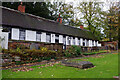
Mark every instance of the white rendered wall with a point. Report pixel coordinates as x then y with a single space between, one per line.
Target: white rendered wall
52 38
60 38
76 41
15 34
30 35
81 42
43 37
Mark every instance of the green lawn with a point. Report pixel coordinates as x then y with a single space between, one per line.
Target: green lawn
106 67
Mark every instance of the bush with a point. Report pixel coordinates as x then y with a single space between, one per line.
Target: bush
96 52
73 51
18 45
27 54
5 51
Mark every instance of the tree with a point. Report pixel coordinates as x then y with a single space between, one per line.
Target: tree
66 11
92 16
112 21
39 8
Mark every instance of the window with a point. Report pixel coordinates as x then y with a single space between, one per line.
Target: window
64 40
96 43
38 36
48 37
56 38
79 41
93 43
10 31
83 42
86 42
68 40
73 41
22 34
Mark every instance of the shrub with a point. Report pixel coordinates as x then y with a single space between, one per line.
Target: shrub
73 51
5 51
16 45
33 55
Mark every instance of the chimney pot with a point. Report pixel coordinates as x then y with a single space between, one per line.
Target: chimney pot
21 8
59 20
81 27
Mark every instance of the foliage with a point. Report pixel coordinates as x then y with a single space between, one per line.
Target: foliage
49 10
66 11
91 53
18 45
39 8
93 17
33 54
112 23
73 51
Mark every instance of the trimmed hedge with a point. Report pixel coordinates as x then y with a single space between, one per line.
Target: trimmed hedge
91 53
27 54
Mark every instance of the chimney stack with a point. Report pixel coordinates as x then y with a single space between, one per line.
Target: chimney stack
59 18
21 8
81 27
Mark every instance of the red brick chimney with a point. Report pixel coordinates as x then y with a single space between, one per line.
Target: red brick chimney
21 8
59 19
81 27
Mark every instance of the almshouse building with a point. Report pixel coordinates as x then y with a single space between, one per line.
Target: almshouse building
28 27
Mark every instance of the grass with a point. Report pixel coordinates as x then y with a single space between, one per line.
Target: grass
106 67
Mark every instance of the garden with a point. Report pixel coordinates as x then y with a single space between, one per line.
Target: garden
106 66
44 63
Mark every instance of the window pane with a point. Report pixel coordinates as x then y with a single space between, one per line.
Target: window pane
38 37
64 40
48 38
22 34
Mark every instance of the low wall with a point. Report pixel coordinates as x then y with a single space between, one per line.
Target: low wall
13 44
87 49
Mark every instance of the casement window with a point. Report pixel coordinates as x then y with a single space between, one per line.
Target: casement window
64 40
96 43
79 41
73 40
10 31
68 40
48 37
56 38
22 34
83 42
93 43
38 36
